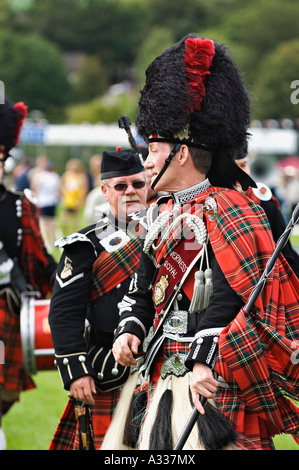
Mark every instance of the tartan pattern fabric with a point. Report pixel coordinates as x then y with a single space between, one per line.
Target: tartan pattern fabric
12 375
113 268
67 434
33 259
258 351
252 431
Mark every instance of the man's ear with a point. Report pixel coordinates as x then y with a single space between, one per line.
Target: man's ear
104 191
183 154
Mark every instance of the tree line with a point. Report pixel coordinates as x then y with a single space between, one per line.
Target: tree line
63 57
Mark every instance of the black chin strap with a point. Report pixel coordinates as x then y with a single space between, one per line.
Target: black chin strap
175 149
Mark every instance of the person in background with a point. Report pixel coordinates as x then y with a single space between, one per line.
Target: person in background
94 174
289 188
25 264
96 268
95 207
40 165
74 189
21 174
46 186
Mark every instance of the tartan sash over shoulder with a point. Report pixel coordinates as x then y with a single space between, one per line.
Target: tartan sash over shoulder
113 268
259 350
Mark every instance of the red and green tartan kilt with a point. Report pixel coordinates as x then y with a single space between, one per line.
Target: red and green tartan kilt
253 432
12 374
67 434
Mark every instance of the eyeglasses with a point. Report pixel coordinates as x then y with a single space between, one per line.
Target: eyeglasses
123 186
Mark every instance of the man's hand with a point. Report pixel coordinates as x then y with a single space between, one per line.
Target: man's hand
82 389
202 383
124 348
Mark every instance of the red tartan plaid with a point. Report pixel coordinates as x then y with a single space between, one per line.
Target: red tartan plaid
113 268
257 351
253 432
33 259
67 435
12 374
258 355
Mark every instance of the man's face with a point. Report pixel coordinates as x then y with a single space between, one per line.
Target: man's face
158 152
243 164
123 197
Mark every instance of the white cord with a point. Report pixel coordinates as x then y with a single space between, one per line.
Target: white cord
194 222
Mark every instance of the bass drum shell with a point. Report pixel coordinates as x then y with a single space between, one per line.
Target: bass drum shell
36 339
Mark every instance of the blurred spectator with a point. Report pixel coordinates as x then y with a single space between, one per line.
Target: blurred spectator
94 175
40 165
21 174
74 189
46 185
96 206
290 187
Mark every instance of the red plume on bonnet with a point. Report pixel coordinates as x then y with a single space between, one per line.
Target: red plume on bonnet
198 58
22 110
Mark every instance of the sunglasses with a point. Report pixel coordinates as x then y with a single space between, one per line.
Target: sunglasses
123 186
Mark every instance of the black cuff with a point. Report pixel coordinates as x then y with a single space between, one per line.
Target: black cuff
204 348
72 367
131 325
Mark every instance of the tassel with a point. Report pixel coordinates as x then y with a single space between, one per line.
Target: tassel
215 430
208 288
198 293
203 286
134 419
161 438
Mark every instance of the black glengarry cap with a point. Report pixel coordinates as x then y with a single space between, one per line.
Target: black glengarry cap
120 163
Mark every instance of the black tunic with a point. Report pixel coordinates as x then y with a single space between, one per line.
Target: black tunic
70 306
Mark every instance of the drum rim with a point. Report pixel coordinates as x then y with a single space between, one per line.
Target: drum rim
27 329
29 303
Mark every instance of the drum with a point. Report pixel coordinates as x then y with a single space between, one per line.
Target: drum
36 340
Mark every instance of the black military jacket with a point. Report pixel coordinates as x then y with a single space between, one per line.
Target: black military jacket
70 308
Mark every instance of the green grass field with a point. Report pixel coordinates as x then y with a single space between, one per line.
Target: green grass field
31 422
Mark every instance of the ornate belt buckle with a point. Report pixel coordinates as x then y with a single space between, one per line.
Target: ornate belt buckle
176 322
174 365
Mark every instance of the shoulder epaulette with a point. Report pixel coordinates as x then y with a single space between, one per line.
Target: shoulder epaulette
263 192
73 238
30 195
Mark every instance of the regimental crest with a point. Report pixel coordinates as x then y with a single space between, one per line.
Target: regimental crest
67 269
160 289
